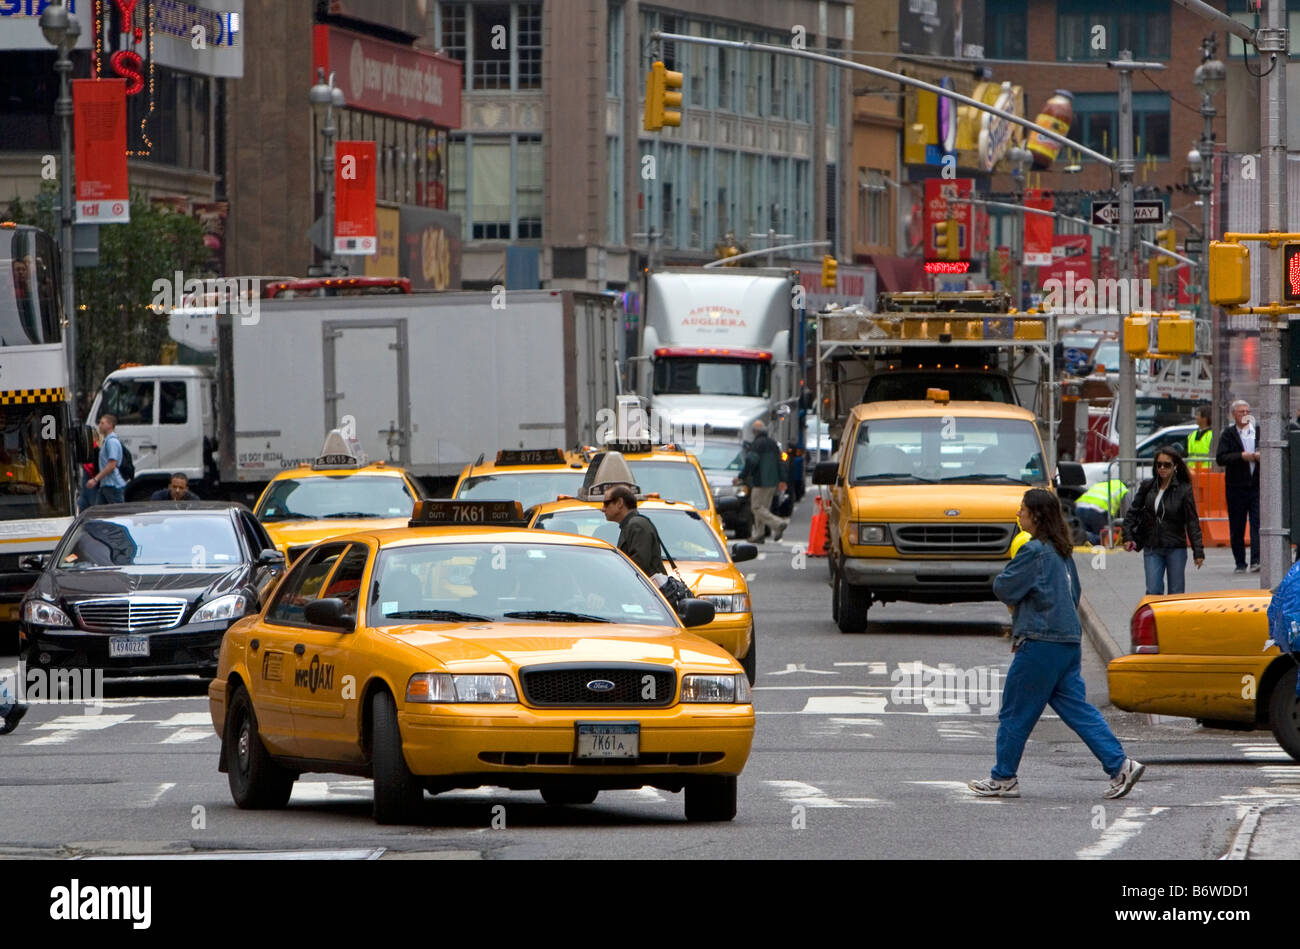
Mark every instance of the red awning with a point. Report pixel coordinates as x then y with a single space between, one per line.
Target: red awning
894 274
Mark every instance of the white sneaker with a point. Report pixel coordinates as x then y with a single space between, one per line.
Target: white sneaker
993 787
1123 782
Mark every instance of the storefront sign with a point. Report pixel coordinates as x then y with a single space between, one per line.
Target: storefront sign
378 76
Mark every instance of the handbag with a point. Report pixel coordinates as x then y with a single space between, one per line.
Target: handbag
673 588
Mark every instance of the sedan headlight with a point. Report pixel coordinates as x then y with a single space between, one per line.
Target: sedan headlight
729 602
727 689
874 534
439 687
42 613
230 606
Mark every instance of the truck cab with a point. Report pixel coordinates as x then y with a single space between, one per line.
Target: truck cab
165 419
923 501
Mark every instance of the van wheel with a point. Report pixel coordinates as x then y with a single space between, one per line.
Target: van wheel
749 661
711 798
256 782
1284 714
398 794
852 603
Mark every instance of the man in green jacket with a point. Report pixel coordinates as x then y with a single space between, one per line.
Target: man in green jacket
637 536
1098 505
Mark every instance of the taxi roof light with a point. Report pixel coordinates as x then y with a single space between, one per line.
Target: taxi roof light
458 512
937 395
339 452
530 456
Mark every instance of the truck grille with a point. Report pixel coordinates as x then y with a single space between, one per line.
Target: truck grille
566 686
953 538
130 614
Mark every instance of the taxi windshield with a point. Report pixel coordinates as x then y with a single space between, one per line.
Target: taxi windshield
526 487
671 480
153 541
542 582
341 496
683 532
947 449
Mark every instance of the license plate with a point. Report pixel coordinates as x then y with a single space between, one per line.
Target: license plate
609 741
121 647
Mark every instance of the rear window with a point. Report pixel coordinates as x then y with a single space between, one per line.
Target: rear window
966 387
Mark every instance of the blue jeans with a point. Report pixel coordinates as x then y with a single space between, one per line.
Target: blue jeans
1092 520
7 700
1158 560
1046 673
109 495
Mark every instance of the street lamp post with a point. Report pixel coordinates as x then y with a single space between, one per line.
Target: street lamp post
1209 80
1020 159
325 97
61 31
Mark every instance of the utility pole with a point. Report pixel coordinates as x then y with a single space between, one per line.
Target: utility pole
771 236
1209 79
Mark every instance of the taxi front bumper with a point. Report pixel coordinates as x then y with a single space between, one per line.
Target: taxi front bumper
516 746
939 581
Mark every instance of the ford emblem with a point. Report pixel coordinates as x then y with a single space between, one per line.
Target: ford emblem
600 685
952 512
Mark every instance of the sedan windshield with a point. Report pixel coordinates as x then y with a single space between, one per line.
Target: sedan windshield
340 496
683 532
526 487
672 481
152 540
937 449
528 582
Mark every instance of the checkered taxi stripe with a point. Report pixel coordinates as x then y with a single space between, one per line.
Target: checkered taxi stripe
30 396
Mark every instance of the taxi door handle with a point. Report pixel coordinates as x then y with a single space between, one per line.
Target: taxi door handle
299 649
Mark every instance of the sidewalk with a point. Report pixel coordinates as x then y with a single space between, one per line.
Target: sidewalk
1112 587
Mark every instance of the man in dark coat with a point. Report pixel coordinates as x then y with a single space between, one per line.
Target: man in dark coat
764 472
637 536
1239 456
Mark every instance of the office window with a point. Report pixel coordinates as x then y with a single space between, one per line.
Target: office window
724 162
669 24
778 202
528 187
614 191
528 33
1141 26
834 77
1006 25
669 175
493 40
802 201
873 207
453 30
1096 122
614 52
728 75
751 201
697 204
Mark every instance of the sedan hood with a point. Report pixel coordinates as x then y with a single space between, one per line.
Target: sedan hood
192 584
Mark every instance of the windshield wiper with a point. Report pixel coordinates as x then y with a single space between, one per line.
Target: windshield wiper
986 477
559 616
449 615
287 516
893 474
340 514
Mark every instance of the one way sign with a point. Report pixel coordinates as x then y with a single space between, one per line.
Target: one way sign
1144 212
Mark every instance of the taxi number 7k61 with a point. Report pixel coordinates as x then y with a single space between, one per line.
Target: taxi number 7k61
609 741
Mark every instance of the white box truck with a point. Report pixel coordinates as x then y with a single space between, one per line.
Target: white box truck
428 381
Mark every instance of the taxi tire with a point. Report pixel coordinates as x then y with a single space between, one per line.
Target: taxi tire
561 796
835 595
266 786
851 606
711 798
749 661
1284 714
399 794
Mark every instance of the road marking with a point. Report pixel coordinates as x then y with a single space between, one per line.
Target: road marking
373 853
1262 751
957 731
1282 774
749 577
1121 830
183 719
67 727
873 668
183 736
800 667
797 792
844 704
156 796
957 790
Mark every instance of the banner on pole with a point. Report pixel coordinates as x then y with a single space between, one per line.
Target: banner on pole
355 228
99 136
1038 230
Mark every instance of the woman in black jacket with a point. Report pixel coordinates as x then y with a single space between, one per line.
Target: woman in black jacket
1162 520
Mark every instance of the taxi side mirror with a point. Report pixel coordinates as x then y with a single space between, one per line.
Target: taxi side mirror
330 612
826 472
695 612
727 505
742 552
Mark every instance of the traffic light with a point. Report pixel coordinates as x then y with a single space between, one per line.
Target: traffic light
1137 334
947 240
829 266
1167 239
1230 273
1291 272
663 98
1175 335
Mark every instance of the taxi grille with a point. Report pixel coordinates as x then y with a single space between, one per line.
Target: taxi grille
952 538
130 614
567 686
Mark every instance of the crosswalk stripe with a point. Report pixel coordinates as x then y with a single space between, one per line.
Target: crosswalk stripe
183 736
1121 830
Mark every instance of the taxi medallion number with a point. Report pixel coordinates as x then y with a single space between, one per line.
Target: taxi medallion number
609 741
120 647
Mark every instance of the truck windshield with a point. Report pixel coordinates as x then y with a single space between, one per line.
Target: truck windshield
937 449
35 469
29 302
684 533
690 375
672 481
344 496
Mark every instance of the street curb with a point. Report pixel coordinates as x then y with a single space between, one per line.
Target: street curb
1097 632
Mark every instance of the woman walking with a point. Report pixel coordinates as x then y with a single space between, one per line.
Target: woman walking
1162 520
1041 586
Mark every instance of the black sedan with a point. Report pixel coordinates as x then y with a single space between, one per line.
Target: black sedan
147 589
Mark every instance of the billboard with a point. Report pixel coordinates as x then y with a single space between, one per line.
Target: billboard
429 248
948 28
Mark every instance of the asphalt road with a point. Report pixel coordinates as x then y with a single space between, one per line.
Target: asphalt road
863 749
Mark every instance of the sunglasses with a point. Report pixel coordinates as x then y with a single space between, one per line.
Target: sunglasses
1164 464
607 502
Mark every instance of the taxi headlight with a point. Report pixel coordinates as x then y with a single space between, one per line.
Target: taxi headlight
729 602
430 687
728 689
437 687
230 606
44 614
873 534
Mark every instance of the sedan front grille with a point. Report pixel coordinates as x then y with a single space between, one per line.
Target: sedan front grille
131 614
634 686
953 538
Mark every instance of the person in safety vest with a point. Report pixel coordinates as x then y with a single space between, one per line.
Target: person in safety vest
1198 442
1096 506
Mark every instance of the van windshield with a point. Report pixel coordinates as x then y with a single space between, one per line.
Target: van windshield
948 449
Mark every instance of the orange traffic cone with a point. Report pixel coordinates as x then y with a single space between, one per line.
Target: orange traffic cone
818 533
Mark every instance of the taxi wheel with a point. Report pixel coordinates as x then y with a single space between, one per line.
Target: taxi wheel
852 604
569 795
398 793
1284 714
749 661
711 798
256 782
835 595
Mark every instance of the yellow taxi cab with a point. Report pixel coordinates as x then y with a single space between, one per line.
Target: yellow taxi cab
668 471
337 493
529 476
923 501
703 562
468 650
1208 656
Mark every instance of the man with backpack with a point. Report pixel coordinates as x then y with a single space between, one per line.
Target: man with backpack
109 481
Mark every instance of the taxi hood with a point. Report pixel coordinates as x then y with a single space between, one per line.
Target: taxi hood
294 533
936 502
707 578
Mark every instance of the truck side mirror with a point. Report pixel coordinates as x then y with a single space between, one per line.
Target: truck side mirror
1070 474
826 472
